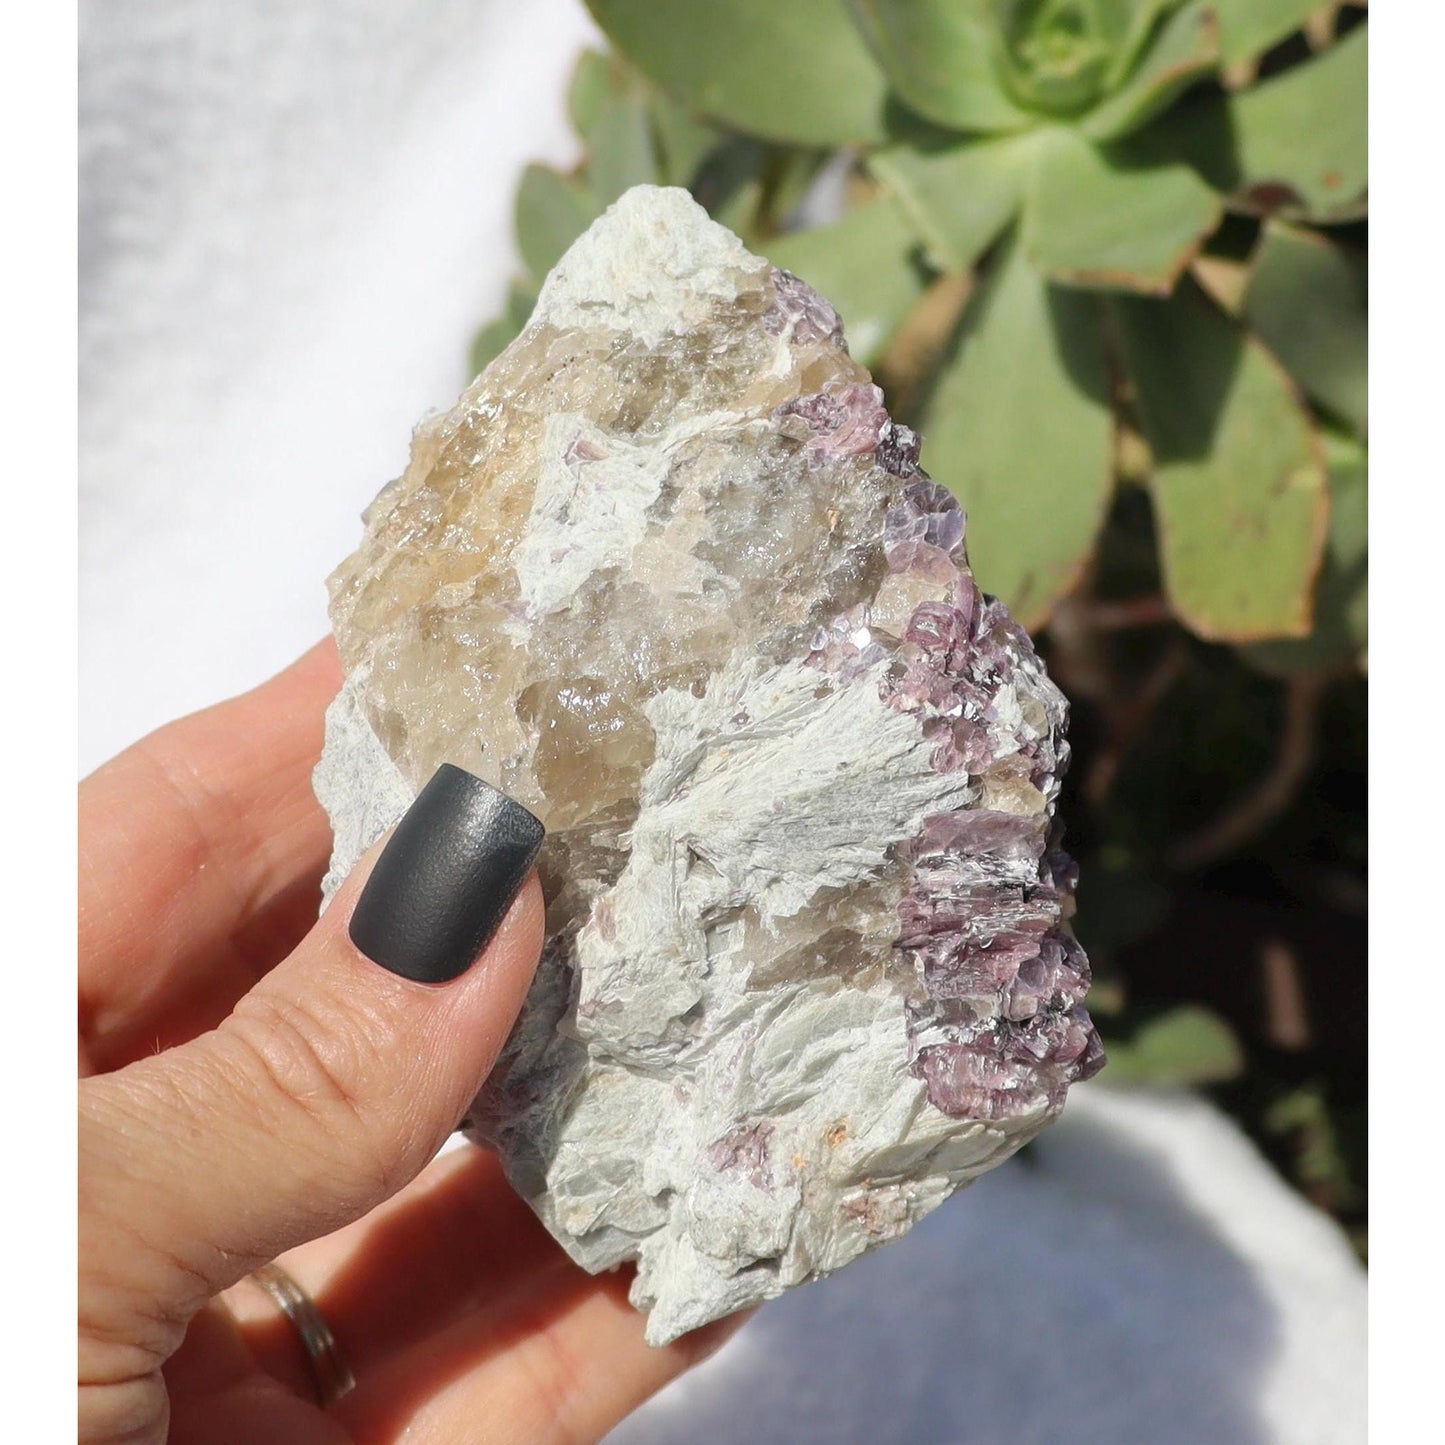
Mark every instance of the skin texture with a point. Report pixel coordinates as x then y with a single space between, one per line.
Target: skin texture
252 1087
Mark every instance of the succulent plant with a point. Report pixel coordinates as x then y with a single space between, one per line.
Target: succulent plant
1084 243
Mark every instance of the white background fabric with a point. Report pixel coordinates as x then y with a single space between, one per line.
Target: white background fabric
294 215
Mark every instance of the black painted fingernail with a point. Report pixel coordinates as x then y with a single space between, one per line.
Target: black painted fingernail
444 882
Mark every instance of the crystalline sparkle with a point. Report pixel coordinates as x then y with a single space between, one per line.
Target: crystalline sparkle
670 576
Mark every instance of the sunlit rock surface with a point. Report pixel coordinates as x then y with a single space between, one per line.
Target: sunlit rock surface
670 576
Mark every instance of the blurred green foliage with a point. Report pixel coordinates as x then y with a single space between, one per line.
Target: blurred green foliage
1108 256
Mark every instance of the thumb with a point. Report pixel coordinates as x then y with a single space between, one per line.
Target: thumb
334 1081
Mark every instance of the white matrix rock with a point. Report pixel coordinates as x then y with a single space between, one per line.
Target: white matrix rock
669 575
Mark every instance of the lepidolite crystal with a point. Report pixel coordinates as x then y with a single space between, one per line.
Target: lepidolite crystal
670 576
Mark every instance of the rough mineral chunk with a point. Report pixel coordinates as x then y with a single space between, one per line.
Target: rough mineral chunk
669 575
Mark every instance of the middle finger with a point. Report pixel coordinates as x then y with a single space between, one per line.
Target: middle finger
201 855
455 1241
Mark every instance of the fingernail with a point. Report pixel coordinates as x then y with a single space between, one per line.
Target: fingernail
445 880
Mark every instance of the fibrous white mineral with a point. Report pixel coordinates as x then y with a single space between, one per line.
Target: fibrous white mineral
669 575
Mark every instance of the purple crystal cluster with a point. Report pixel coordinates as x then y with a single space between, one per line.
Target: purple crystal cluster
1001 1025
800 312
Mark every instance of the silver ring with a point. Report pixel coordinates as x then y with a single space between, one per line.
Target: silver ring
328 1365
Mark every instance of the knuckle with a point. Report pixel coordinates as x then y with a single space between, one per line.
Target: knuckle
134 1410
313 1071
137 1283
555 1374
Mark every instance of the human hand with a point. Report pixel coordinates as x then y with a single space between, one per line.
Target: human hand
254 1086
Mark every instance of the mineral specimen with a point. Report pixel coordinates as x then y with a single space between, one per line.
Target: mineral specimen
669 575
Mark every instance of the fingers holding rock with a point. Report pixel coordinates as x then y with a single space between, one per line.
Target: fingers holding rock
201 850
562 1364
457 1240
334 1080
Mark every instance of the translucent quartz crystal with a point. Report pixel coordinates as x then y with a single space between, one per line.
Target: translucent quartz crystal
669 575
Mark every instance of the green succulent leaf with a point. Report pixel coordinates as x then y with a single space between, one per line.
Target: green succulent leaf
1139 32
684 141
1020 428
1094 217
599 79
1186 1045
960 196
1238 471
1342 610
1306 130
1250 27
552 211
621 153
797 71
1186 48
865 264
943 58
1307 302
1295 143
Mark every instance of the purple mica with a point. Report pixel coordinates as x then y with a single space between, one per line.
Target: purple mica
582 449
926 513
746 1149
801 313
923 534
846 646
1001 1028
898 452
845 422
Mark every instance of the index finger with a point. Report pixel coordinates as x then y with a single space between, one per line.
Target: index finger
201 851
